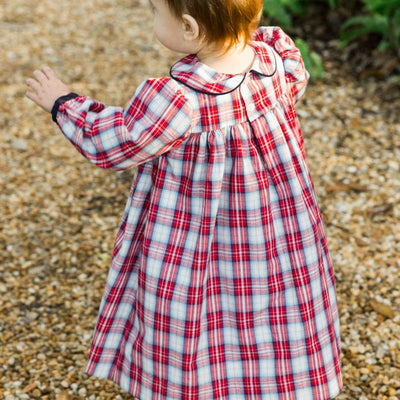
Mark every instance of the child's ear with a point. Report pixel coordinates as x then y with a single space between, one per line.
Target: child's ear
191 29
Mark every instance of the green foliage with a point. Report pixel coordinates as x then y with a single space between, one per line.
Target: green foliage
382 18
312 60
332 3
283 10
379 17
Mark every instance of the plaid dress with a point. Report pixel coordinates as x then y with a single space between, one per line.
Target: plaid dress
221 285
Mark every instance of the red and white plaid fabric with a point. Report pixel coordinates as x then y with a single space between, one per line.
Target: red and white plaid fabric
221 285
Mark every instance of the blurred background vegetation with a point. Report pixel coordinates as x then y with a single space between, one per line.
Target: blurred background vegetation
367 27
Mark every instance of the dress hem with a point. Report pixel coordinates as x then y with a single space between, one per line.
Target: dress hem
135 393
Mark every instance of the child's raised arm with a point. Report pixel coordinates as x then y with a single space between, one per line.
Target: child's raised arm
157 119
295 73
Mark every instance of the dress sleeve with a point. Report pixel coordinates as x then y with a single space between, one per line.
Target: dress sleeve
295 73
157 119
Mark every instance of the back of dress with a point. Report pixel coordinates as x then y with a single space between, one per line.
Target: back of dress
253 293
221 284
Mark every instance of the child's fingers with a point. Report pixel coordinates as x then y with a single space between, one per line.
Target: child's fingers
40 76
31 96
35 85
48 72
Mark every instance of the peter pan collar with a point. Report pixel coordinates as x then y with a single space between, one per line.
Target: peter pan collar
200 77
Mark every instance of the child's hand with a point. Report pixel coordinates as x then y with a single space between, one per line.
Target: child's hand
45 88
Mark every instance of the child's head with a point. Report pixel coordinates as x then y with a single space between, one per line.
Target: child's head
221 22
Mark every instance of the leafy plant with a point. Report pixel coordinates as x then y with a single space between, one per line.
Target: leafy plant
383 18
332 3
379 17
312 60
283 10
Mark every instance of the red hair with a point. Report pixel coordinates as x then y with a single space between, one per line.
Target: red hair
221 21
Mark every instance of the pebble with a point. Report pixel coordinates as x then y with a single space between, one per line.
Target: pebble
31 315
65 384
395 166
19 144
352 169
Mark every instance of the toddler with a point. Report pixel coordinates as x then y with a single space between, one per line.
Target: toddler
221 285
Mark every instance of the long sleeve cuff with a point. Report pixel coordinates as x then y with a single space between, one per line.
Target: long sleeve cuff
59 101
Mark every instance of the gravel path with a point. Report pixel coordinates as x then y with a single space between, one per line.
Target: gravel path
59 213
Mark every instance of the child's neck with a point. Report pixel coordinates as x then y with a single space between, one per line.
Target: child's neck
237 60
